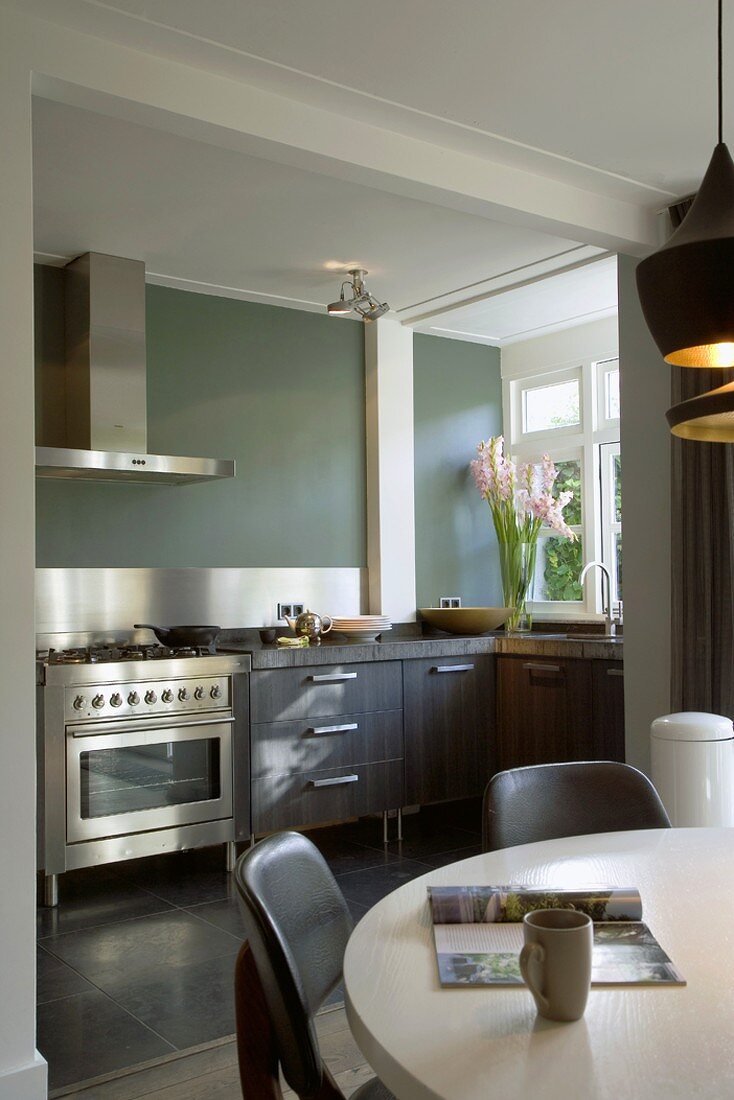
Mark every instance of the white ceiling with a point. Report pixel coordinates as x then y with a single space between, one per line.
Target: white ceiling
625 87
211 218
547 305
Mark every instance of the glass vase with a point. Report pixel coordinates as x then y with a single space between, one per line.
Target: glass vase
517 565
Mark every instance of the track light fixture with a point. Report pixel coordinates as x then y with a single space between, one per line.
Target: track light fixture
360 301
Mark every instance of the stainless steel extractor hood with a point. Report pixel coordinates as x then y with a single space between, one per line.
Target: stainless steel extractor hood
105 424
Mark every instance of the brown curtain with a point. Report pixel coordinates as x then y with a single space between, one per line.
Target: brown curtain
702 507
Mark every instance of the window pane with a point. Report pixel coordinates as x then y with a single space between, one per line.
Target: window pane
557 569
547 407
611 395
617 487
569 480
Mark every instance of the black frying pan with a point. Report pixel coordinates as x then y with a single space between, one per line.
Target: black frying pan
180 636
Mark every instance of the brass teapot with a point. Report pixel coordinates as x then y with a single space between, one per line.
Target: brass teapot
310 625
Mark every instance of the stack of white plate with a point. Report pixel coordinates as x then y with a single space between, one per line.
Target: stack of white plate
365 628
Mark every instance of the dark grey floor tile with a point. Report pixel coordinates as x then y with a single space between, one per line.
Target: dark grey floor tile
369 886
357 909
54 979
442 859
343 854
184 878
222 914
115 951
186 1004
88 1034
423 838
92 897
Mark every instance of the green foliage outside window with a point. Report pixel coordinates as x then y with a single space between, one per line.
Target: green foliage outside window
563 558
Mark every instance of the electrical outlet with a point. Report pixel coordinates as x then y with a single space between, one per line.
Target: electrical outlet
450 601
292 610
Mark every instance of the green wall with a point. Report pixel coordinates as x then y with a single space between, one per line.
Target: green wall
457 401
279 390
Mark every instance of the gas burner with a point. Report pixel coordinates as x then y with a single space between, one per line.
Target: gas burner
107 654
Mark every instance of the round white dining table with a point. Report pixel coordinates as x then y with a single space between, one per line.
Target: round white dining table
476 1042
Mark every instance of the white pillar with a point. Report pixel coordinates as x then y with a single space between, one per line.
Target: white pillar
390 471
22 1072
645 395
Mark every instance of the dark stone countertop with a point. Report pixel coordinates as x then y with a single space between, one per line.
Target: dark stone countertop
408 640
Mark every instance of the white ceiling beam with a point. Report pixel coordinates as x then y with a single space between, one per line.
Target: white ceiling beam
113 79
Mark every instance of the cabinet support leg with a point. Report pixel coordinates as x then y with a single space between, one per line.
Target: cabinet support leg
231 854
386 826
51 891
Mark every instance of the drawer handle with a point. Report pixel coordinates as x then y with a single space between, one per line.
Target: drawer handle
452 668
533 666
333 729
337 781
615 672
332 677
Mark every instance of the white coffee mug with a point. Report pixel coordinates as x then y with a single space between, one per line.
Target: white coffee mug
556 961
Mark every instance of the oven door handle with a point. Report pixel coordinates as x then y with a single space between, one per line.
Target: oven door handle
136 727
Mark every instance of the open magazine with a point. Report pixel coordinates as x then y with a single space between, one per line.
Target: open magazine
479 934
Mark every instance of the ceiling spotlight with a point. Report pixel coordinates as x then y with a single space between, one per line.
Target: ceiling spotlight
377 310
361 302
340 308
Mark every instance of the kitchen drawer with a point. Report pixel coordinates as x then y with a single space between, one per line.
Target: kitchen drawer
315 743
334 794
317 691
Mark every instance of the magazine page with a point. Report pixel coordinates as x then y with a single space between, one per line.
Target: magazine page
488 953
509 904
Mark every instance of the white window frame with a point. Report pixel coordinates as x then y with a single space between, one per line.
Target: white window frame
579 441
610 525
522 385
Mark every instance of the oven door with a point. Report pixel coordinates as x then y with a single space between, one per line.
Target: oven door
143 777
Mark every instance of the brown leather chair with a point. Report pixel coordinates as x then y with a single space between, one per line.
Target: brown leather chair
297 926
550 801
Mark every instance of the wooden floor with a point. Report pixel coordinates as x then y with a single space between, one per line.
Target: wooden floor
212 1074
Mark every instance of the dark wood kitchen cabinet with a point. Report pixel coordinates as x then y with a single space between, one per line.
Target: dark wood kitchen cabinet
544 712
449 727
607 696
326 743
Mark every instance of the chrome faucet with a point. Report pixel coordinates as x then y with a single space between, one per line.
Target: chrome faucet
608 605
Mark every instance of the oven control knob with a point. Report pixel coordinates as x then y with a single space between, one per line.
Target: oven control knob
133 698
151 697
98 702
167 696
116 699
80 702
216 691
183 694
198 693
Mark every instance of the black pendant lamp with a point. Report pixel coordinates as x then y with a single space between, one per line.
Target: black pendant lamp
686 288
686 291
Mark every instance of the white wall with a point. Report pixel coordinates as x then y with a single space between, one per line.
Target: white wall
22 1076
645 382
594 340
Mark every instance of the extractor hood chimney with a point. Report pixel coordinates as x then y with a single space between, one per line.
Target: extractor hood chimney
106 430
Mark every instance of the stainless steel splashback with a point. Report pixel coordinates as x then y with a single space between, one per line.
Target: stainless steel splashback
109 601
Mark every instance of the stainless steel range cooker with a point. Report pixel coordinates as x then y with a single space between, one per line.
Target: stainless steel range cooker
141 750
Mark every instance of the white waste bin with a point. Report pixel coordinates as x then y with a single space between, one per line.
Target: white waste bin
693 767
